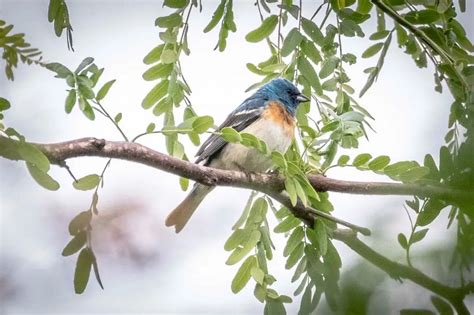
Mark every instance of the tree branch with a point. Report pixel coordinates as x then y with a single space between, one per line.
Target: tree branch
270 184
454 295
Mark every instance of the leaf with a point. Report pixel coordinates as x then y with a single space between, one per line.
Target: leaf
414 174
154 55
176 4
172 20
75 244
31 154
159 71
372 50
104 90
61 71
243 274
418 236
70 100
42 178
87 61
80 222
309 73
216 17
245 213
4 104
313 31
168 56
361 159
279 160
230 135
399 167
379 163
241 252
236 238
290 188
402 240
295 256
430 212
343 159
328 67
295 238
352 116
274 307
202 124
287 224
118 118
291 41
155 94
83 270
53 9
87 182
264 30
257 274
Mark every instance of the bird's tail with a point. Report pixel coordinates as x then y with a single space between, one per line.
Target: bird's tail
183 212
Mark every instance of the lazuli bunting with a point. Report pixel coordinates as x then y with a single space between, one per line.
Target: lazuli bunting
269 114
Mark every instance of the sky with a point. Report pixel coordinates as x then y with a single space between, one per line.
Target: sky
145 266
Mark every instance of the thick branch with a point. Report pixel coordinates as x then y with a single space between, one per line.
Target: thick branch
267 183
454 295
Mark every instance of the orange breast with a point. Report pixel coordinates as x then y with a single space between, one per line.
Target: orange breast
275 111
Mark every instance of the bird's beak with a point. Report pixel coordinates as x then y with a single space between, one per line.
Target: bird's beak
302 98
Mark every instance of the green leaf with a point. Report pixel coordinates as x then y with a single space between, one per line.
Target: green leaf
343 159
87 182
236 238
155 94
4 104
158 71
379 163
310 50
287 224
154 55
379 35
216 17
328 67
241 252
243 274
291 41
418 236
87 61
430 212
372 50
202 124
295 238
83 270
150 128
313 31
245 213
257 274
80 222
422 16
104 90
295 256
61 71
361 159
31 154
168 56
75 244
70 100
397 168
53 9
290 188
279 160
118 118
414 174
172 20
230 135
274 307
176 4
42 178
264 30
309 73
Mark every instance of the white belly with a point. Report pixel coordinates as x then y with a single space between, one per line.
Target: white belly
235 156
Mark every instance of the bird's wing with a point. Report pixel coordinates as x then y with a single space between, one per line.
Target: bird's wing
240 119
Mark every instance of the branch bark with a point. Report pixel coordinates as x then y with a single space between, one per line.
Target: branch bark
398 271
57 153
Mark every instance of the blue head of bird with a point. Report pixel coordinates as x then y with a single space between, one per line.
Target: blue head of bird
285 92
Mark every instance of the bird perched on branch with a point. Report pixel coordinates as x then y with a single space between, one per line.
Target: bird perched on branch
269 114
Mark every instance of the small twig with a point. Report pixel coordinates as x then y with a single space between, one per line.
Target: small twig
106 114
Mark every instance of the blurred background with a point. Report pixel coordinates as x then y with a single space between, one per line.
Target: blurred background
145 266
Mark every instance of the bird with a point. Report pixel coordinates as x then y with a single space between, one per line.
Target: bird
268 114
